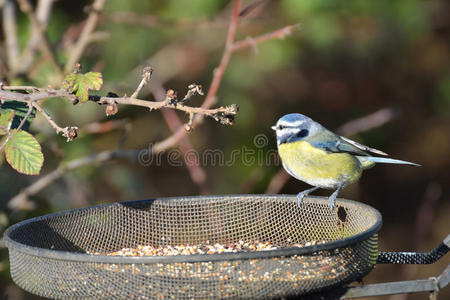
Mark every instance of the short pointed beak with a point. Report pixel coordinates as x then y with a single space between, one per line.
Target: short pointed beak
274 127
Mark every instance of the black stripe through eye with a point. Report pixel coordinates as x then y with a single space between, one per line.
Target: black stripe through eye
287 139
302 133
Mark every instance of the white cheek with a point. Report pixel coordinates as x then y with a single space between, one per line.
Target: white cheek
287 132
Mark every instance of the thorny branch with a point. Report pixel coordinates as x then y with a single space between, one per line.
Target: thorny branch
224 115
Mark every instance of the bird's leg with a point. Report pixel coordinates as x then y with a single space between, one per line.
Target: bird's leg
303 194
334 195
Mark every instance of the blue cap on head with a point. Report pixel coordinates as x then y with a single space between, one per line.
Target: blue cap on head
293 118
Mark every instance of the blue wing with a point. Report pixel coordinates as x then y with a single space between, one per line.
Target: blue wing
334 143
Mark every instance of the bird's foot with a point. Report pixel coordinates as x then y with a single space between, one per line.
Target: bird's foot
303 194
331 199
334 196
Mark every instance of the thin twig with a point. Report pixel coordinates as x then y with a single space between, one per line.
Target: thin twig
69 132
26 7
253 41
25 118
250 8
20 201
219 72
103 127
22 88
58 128
221 114
146 20
84 39
146 75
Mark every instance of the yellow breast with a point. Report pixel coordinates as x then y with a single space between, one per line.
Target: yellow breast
317 167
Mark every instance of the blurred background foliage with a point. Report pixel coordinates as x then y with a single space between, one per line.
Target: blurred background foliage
347 60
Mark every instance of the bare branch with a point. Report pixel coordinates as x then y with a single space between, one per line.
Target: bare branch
218 73
41 94
146 20
69 132
250 8
21 88
103 127
217 113
20 201
85 36
170 141
224 115
253 41
146 75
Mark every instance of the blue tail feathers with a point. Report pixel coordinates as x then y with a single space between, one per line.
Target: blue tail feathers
386 160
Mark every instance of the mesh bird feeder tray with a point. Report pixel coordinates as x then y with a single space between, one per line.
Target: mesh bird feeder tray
65 255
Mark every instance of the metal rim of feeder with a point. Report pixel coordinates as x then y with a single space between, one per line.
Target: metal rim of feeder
84 257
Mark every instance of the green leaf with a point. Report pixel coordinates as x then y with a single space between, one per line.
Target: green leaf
80 84
24 153
6 119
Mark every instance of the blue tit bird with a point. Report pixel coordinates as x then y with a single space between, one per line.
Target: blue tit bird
313 154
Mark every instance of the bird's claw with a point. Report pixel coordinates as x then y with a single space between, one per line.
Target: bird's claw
332 198
300 197
303 194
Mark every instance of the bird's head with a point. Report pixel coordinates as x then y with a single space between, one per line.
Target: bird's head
294 127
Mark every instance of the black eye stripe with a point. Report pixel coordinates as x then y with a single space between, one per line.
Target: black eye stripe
287 138
302 133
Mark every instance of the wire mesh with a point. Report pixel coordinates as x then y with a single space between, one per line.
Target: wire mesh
49 255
